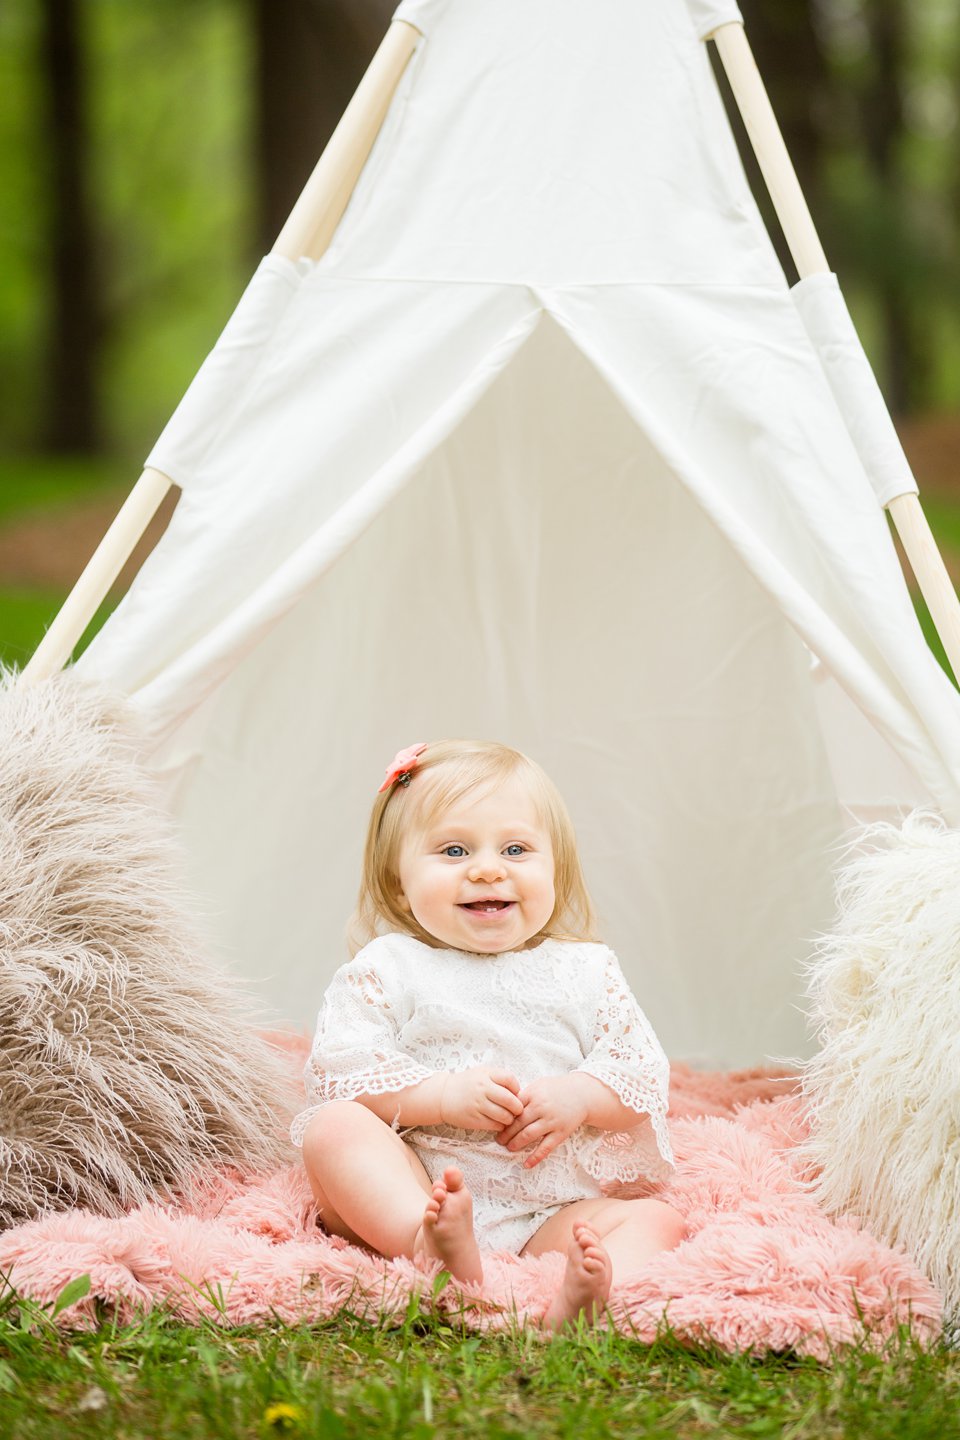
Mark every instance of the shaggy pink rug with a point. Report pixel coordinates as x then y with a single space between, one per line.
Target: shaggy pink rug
762 1269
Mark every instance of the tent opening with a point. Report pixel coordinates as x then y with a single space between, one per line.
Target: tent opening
542 579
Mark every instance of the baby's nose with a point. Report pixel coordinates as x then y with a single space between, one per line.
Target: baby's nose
487 866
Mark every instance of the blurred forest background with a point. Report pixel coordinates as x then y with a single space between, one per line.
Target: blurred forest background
151 149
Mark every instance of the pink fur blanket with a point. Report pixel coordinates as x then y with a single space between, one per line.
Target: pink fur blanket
763 1268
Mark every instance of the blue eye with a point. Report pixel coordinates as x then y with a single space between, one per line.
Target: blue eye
456 852
514 850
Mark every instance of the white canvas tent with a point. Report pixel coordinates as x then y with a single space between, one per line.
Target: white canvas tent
541 448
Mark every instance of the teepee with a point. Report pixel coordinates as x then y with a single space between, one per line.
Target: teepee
520 433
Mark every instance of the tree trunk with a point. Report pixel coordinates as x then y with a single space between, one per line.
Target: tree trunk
71 421
310 57
883 124
791 60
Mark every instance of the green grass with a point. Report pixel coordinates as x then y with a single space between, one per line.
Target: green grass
944 519
25 615
37 484
42 482
425 1378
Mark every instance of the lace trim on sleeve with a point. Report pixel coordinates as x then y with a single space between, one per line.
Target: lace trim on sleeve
355 1047
379 1082
628 1057
641 1151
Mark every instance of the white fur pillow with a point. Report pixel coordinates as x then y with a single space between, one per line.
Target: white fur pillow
885 1087
127 1063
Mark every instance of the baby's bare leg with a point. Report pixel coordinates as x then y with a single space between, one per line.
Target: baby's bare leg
369 1185
605 1241
634 1231
371 1189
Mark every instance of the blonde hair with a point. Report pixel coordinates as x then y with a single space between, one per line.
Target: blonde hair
455 768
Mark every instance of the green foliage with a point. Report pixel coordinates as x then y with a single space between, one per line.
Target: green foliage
172 145
891 227
170 179
173 183
22 247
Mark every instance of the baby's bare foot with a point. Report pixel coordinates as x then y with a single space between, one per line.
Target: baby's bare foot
586 1281
447 1231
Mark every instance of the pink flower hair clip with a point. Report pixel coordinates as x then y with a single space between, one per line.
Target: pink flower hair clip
402 766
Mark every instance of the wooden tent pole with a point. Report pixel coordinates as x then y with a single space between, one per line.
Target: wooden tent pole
308 231
325 196
103 567
809 258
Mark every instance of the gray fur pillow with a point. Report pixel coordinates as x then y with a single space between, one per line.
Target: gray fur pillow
128 1063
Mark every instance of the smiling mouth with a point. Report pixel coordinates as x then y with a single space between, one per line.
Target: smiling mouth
487 907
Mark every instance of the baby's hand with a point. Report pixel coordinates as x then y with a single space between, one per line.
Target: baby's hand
480 1099
553 1107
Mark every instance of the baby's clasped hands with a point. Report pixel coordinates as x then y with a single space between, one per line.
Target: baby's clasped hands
543 1115
553 1108
480 1098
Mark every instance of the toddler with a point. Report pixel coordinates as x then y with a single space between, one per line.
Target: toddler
480 1069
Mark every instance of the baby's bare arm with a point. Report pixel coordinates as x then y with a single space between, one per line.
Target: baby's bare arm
605 1110
474 1099
416 1105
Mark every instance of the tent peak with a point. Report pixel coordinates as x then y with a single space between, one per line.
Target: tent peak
706 15
526 145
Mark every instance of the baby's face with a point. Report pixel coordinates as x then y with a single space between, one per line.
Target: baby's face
479 877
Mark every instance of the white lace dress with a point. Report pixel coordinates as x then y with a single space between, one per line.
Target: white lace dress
401 1011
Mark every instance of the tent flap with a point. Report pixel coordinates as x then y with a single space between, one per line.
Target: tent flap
218 392
823 310
421 14
709 15
347 403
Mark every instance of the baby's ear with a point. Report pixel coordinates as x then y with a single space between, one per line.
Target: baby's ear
402 902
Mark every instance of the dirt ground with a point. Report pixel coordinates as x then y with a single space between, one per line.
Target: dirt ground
48 550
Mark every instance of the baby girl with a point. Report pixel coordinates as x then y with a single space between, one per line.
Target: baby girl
481 1072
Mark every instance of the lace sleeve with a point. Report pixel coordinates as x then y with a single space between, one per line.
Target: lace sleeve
354 1049
627 1056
